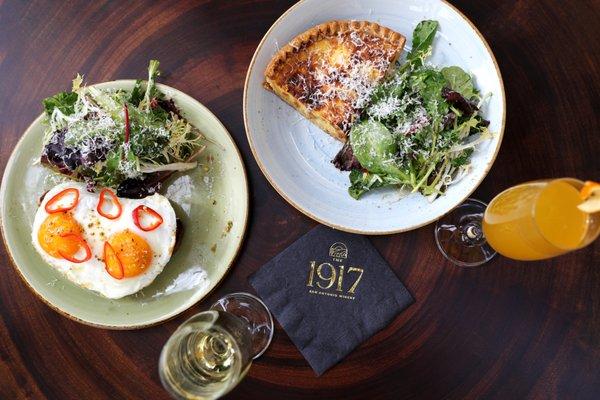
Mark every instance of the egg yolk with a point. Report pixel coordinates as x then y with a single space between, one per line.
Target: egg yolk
51 231
133 252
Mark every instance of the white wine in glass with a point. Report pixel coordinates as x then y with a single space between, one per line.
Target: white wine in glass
211 352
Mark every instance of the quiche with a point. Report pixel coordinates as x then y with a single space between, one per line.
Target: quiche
328 72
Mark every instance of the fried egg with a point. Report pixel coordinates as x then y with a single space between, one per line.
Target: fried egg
101 249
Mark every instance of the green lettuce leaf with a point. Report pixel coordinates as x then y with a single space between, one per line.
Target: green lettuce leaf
373 145
463 158
459 81
429 83
422 41
64 101
137 94
361 182
151 89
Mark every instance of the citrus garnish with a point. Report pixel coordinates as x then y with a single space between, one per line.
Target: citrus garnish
590 193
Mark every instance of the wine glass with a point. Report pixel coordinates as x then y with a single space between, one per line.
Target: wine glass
210 353
531 221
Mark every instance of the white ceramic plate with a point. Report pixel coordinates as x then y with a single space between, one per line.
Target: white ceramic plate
295 156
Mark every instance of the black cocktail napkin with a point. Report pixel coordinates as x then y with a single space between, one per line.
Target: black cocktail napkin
330 291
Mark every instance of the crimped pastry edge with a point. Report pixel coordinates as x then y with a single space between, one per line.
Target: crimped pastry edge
313 34
333 27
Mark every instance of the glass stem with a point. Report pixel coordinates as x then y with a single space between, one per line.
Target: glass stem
459 235
472 233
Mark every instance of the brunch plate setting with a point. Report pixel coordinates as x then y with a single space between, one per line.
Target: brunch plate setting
124 203
374 117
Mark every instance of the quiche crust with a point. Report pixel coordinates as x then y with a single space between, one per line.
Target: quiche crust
328 72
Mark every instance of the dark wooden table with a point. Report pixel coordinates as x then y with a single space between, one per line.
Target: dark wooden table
507 330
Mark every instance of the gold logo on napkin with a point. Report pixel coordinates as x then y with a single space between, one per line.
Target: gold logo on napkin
338 250
333 279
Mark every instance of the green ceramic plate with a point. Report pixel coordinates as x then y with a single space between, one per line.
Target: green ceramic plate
211 200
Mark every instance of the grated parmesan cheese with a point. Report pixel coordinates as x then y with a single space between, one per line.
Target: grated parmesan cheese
340 81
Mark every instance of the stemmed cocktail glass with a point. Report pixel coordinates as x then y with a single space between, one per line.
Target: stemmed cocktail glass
530 221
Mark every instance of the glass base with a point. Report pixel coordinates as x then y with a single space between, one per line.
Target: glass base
459 235
251 309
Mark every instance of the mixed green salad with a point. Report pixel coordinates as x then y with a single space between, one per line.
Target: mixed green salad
420 127
129 140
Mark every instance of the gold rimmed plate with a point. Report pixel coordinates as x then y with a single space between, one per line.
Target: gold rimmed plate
211 201
295 156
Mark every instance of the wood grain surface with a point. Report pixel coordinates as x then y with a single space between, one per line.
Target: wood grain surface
507 330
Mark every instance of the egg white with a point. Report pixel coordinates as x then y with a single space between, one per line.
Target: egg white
97 229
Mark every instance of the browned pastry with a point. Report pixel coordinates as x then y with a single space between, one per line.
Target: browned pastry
328 72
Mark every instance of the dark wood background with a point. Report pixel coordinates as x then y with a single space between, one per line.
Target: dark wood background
507 330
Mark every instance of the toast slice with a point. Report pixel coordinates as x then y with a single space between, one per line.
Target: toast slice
328 72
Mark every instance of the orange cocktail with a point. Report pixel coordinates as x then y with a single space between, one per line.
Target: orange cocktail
538 220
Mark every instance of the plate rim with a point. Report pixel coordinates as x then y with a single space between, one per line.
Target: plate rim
345 228
167 316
